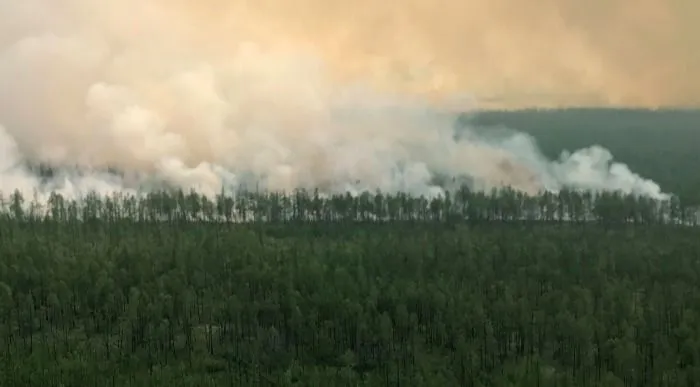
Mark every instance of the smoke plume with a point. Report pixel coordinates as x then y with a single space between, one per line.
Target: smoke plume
307 94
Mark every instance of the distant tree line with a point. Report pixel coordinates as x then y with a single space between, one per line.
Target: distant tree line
504 204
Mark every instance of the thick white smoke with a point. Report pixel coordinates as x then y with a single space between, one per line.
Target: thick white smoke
138 87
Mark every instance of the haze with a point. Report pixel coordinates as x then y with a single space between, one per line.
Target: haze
328 94
507 53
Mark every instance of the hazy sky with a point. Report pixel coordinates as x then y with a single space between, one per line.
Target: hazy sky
512 52
212 93
642 52
534 52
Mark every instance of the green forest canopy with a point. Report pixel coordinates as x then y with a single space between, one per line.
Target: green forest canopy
496 289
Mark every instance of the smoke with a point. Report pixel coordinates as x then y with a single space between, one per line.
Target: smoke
213 94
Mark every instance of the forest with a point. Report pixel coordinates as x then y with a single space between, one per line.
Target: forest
497 288
659 144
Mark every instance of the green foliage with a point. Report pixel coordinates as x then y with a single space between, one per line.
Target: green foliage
267 289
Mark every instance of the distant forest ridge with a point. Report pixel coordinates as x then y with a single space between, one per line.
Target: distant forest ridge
597 109
660 144
596 113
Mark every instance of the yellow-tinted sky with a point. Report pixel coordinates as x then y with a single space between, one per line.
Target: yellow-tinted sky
195 91
506 52
512 52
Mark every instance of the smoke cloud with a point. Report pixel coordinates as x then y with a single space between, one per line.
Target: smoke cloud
307 94
510 54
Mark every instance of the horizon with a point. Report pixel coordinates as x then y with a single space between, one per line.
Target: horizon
640 109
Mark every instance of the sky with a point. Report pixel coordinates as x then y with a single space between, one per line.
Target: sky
324 93
508 53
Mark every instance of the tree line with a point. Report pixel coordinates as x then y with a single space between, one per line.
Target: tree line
471 289
463 204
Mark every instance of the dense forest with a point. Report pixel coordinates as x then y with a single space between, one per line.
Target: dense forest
271 289
268 289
